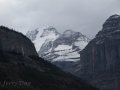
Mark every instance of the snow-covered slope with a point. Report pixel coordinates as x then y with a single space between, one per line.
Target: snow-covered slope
53 46
39 36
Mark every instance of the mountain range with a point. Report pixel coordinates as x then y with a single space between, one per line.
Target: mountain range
53 46
60 49
22 69
96 61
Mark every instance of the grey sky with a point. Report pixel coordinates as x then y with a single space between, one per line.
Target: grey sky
85 16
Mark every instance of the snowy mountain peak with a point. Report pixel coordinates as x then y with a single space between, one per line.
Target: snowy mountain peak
48 31
68 33
53 46
39 36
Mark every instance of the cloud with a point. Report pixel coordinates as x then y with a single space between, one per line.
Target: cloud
84 16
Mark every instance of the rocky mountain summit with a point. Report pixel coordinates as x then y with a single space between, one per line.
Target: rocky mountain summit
100 59
110 29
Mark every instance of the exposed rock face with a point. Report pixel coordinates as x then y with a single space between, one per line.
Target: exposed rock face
100 60
12 41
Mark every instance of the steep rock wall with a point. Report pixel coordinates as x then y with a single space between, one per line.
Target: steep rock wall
100 60
13 41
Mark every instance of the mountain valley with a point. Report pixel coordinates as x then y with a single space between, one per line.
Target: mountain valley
57 48
22 69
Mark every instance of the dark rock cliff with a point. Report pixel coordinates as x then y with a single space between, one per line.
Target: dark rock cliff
100 60
11 40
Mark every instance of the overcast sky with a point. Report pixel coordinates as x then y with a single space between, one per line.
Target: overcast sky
85 16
